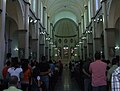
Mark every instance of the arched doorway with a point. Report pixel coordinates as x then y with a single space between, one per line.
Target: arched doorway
11 36
14 22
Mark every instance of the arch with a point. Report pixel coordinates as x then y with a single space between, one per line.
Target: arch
113 13
65 28
11 36
17 14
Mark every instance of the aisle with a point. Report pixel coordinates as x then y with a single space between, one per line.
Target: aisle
65 83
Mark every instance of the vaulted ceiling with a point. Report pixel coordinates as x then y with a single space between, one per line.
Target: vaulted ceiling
56 6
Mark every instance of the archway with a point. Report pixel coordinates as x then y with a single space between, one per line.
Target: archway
11 36
14 22
65 37
114 22
113 13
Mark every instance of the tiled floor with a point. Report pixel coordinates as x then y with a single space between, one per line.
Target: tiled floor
65 83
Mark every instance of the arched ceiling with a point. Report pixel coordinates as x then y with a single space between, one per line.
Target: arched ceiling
65 28
56 6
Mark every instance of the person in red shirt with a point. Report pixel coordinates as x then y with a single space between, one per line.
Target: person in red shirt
26 75
4 74
98 72
5 70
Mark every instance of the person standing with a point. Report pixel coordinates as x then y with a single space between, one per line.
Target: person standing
115 81
110 71
98 72
87 75
44 72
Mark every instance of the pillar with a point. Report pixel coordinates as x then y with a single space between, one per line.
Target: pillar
45 29
38 43
98 44
103 2
23 40
2 32
93 35
86 20
42 42
93 24
38 29
34 48
80 34
26 27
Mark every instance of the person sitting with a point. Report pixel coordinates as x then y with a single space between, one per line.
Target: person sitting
13 82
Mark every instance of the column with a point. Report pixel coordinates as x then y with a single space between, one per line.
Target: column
42 42
47 49
90 42
113 47
86 20
38 43
103 2
34 48
51 26
82 23
97 44
84 49
41 12
2 32
93 35
93 24
23 38
26 27
38 30
87 45
21 43
44 25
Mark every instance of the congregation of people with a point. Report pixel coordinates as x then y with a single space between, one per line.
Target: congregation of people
96 74
30 75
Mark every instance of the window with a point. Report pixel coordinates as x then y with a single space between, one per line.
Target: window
34 5
97 4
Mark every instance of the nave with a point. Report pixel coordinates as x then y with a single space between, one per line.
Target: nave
66 83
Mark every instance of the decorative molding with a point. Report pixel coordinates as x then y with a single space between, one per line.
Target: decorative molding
65 36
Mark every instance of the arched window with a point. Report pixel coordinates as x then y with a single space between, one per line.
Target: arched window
97 4
34 5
